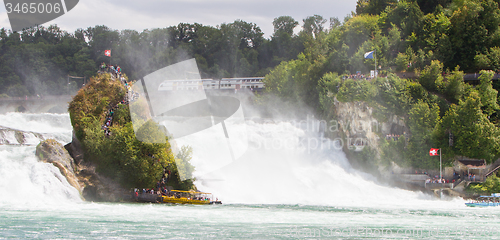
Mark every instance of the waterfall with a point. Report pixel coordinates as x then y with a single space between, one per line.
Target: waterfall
24 181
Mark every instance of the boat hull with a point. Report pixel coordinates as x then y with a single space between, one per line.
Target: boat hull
183 200
483 204
486 201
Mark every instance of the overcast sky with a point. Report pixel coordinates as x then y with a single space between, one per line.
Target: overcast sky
147 14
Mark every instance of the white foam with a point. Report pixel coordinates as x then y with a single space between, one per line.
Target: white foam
10 137
31 139
287 165
39 122
24 181
56 126
278 168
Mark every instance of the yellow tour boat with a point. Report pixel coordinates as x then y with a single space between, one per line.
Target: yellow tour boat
189 197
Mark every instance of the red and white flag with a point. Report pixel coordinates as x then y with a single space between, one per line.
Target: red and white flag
107 53
433 152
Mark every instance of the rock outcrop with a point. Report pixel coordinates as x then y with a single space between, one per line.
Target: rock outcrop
358 122
79 174
9 136
52 151
95 187
360 128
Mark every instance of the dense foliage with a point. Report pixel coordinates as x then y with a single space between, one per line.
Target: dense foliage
38 60
430 116
433 44
121 156
406 35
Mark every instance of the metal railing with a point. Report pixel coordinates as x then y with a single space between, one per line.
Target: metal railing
492 171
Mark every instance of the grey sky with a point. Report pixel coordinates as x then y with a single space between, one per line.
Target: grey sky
147 14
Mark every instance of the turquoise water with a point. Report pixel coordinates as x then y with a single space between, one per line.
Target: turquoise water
269 193
146 221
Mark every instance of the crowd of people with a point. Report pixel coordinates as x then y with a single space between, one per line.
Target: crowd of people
130 96
436 179
392 136
357 76
471 177
109 122
456 178
115 71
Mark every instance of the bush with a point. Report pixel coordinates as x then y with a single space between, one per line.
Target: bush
491 185
356 90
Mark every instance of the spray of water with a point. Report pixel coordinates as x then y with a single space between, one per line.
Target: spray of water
57 126
287 164
24 181
284 164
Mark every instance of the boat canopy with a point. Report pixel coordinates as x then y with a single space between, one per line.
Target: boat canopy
192 192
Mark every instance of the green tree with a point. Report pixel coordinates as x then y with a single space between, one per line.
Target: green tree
284 24
313 25
431 77
329 86
358 30
406 15
454 86
393 94
474 135
487 93
284 44
429 6
422 119
373 7
473 29
352 90
433 35
490 60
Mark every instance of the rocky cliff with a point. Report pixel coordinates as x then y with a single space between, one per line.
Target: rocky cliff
79 174
360 129
54 152
357 122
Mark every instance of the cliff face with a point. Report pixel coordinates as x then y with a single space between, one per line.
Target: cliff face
357 122
359 129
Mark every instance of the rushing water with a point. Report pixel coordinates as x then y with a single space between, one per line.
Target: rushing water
286 185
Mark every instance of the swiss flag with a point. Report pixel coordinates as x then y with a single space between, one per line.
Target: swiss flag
433 152
107 53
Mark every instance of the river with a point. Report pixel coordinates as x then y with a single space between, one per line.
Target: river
281 187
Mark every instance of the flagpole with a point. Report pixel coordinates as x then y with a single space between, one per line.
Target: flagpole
440 170
375 53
